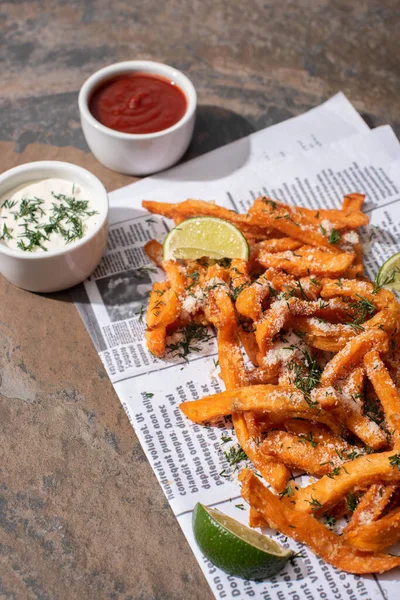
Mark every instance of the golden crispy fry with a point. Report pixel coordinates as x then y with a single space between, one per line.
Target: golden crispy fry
353 202
154 251
199 208
249 301
357 290
386 392
345 403
164 306
371 505
377 535
306 453
249 343
156 341
355 271
308 260
356 474
271 324
259 398
352 353
263 375
274 472
230 359
337 219
270 214
279 245
256 519
175 276
306 529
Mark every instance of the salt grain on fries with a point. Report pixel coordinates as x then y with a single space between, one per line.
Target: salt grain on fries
321 395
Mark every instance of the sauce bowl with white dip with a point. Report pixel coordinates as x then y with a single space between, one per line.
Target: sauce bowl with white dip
53 225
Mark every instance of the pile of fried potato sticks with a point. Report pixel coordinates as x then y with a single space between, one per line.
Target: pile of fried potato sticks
320 395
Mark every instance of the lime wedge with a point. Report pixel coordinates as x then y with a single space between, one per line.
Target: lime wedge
389 273
205 236
234 548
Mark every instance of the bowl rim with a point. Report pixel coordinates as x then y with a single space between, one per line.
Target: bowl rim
37 167
145 66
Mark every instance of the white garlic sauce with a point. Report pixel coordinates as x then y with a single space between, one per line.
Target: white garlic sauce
30 215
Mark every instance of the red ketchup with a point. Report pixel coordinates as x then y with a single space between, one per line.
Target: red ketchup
138 103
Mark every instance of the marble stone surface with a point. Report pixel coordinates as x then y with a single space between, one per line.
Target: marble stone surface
81 513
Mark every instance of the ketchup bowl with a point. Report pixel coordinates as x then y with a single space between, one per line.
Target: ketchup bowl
138 116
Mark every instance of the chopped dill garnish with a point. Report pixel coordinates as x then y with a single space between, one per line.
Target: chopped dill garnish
234 456
306 374
395 461
8 204
314 503
65 218
271 203
140 312
334 236
6 233
288 491
190 337
330 520
352 501
362 309
309 439
236 291
333 473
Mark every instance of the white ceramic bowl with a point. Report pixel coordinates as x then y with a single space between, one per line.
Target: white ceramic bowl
131 153
55 270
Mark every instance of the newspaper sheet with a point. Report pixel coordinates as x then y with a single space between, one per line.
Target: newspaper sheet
312 160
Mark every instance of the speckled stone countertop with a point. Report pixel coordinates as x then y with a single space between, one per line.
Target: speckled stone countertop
81 513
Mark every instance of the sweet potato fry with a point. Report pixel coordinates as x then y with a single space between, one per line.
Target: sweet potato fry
156 341
377 535
353 202
272 322
371 505
386 392
306 529
357 290
279 245
256 519
249 343
352 353
337 219
175 276
271 214
274 472
154 251
356 474
249 301
198 208
306 454
308 260
230 359
259 398
164 306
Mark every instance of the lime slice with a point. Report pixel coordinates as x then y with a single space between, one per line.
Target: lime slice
205 236
234 548
389 273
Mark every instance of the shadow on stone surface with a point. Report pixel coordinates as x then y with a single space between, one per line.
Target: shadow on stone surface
216 127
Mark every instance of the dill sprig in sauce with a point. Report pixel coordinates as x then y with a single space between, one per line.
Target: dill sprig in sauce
35 221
